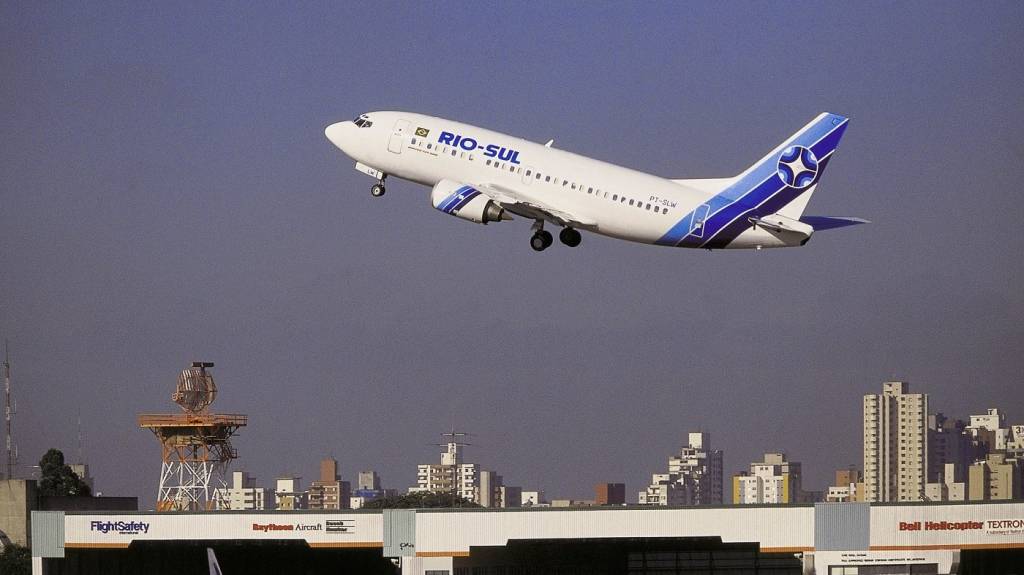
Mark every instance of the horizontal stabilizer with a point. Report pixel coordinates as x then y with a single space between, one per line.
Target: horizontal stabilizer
782 224
831 223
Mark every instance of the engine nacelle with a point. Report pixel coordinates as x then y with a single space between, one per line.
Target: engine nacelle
466 202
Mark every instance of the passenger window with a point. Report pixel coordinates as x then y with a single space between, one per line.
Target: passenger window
547 178
414 141
528 173
538 175
656 210
574 186
631 202
430 146
454 153
623 200
606 195
590 190
615 197
648 207
471 157
512 168
565 183
488 162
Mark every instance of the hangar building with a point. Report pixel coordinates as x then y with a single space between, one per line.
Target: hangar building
823 538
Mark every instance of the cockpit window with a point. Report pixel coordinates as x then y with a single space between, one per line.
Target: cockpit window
362 121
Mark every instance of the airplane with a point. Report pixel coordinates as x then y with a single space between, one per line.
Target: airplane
485 176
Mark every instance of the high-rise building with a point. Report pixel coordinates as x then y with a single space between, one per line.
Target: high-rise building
995 478
694 477
610 494
288 494
948 443
774 480
368 488
466 480
895 444
368 481
82 471
532 499
990 431
511 496
1015 443
848 486
947 488
329 492
243 494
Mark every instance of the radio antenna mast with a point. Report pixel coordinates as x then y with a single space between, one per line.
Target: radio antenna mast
7 409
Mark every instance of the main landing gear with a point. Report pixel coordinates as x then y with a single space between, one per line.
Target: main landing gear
570 237
377 190
542 240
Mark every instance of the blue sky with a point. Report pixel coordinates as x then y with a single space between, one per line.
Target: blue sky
168 195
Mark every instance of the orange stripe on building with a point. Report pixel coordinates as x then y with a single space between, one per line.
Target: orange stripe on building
947 546
787 549
442 553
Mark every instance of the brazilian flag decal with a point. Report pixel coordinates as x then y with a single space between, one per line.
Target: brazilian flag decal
422 132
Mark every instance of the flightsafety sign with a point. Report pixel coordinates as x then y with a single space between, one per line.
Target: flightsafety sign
317 529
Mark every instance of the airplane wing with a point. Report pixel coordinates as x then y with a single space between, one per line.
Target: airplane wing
522 203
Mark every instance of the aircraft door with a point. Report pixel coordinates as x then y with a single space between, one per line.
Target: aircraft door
699 217
397 139
528 175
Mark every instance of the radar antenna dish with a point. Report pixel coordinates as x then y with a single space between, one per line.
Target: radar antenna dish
196 390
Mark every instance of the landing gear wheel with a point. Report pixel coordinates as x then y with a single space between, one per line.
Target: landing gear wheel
377 190
570 237
541 241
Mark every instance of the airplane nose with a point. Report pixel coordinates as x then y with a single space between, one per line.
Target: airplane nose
338 133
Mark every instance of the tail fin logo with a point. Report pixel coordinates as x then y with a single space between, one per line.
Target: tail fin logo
798 166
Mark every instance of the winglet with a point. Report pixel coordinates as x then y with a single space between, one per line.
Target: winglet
548 145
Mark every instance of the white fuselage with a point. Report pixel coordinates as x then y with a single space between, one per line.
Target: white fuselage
615 201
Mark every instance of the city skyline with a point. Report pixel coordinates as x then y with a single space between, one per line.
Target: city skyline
169 196
696 446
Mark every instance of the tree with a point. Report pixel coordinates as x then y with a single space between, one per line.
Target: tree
15 560
58 478
420 500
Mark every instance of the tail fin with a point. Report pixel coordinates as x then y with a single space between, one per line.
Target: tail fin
798 162
781 182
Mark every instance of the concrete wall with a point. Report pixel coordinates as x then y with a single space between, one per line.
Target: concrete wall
18 498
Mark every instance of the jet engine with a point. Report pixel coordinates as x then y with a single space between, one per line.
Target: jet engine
466 202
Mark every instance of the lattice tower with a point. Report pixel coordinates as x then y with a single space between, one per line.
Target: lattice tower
195 445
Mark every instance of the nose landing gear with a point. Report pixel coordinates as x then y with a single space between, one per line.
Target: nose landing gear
377 190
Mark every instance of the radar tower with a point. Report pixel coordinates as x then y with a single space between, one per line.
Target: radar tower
195 445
